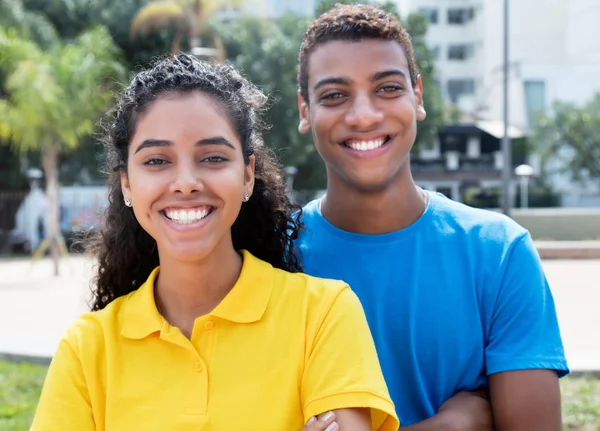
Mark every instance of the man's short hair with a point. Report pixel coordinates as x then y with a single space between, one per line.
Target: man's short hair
353 23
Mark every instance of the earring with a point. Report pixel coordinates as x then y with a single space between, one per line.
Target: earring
245 197
128 202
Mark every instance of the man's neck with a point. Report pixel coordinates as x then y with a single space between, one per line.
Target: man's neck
392 208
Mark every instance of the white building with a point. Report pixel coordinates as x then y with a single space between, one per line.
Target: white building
554 54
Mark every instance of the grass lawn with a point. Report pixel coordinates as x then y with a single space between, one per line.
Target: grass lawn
20 386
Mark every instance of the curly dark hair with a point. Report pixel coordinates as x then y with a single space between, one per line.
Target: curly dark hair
266 225
353 23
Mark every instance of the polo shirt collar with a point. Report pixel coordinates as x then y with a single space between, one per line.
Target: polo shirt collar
245 303
140 317
248 300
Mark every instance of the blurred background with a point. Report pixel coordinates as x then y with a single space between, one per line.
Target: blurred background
512 93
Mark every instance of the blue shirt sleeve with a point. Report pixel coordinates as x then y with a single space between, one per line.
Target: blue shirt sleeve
524 331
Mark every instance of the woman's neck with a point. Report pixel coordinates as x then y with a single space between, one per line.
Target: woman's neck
185 291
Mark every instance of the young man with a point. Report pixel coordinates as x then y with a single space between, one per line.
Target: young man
456 297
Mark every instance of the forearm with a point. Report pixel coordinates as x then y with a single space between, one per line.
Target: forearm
465 411
435 423
449 421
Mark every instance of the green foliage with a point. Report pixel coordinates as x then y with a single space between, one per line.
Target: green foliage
571 132
30 24
20 388
72 17
55 95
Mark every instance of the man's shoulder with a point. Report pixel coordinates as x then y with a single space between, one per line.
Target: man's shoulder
453 218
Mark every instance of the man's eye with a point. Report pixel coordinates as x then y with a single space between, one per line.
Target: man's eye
390 88
332 96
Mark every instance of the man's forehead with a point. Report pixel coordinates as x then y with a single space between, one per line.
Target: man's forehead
348 58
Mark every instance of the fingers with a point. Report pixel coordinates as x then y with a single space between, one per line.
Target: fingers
324 422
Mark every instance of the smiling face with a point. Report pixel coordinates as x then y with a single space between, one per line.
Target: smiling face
186 175
362 111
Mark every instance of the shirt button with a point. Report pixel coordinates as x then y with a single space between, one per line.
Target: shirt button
198 367
209 325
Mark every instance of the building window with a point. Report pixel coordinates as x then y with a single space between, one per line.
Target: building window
435 52
430 13
459 52
535 100
460 15
460 87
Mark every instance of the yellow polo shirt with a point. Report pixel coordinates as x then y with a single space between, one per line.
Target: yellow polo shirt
277 350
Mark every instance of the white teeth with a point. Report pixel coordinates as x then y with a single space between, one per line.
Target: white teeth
366 145
186 217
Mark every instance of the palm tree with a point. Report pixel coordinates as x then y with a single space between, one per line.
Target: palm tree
54 97
189 17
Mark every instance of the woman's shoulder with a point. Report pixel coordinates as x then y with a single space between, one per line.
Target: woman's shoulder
93 327
307 285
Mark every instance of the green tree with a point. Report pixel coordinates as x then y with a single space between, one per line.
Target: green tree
72 17
54 98
571 133
30 24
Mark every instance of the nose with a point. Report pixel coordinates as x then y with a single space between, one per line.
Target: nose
186 179
363 113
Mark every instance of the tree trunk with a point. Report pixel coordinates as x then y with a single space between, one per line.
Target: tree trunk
49 161
193 24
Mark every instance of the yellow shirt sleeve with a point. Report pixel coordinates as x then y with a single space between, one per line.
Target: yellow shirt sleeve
65 402
342 370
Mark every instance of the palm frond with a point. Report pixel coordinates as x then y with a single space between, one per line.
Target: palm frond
157 15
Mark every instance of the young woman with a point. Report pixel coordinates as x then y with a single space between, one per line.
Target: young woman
200 318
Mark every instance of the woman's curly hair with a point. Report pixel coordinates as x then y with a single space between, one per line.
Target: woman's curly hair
267 224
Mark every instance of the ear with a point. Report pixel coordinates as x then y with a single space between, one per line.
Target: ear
125 188
421 114
304 126
249 175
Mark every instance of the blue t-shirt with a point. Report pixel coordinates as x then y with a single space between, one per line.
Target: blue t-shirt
458 295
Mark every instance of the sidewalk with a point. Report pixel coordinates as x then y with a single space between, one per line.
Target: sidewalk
36 308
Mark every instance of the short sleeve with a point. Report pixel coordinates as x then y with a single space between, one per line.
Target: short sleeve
524 331
65 402
342 370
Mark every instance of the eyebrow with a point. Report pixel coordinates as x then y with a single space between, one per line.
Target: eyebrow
326 81
345 81
386 73
217 140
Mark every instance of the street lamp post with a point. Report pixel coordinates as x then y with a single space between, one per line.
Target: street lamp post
524 172
290 175
506 145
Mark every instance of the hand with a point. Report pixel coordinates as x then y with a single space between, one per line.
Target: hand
468 411
324 422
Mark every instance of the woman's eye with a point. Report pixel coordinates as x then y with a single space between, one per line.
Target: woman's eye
155 162
215 159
